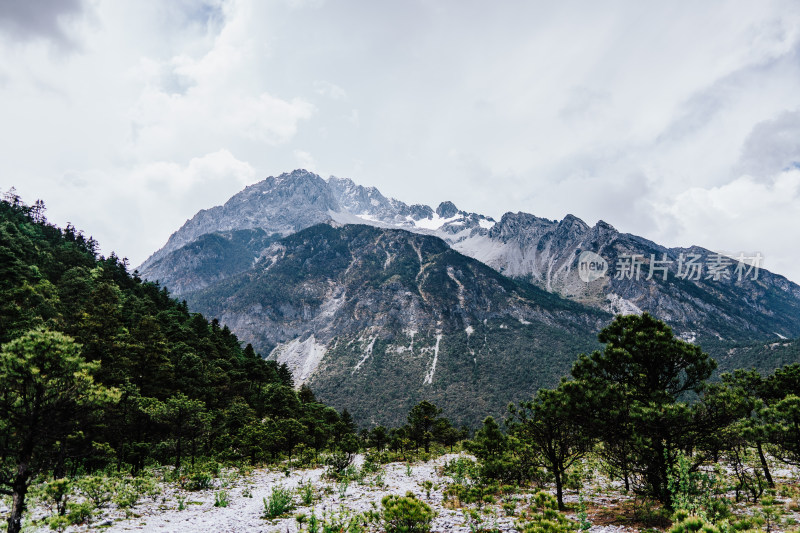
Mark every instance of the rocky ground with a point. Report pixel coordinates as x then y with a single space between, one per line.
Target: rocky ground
177 510
244 512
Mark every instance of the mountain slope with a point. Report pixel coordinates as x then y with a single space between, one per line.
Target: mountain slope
377 319
541 251
546 253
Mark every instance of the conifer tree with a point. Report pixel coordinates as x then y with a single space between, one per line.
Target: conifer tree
47 392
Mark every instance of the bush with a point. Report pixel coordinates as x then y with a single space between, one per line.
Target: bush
131 490
338 463
199 481
221 499
544 517
306 492
691 523
98 489
461 469
59 491
279 502
79 513
406 514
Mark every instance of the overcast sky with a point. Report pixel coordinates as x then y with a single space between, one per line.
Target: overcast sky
677 121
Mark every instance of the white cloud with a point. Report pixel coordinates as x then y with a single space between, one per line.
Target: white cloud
304 160
745 215
331 90
635 113
137 209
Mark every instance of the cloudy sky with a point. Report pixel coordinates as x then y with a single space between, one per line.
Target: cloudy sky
678 121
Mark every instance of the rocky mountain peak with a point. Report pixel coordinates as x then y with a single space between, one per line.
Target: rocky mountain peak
513 225
447 210
574 223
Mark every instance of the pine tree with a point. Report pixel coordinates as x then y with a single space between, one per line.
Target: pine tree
633 389
46 393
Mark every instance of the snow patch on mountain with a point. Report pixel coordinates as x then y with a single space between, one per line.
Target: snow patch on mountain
435 222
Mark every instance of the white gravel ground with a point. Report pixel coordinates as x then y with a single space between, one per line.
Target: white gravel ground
244 514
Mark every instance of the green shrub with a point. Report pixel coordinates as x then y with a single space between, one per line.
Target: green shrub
221 499
460 469
58 523
427 485
80 513
343 484
691 524
58 492
98 489
126 497
306 491
279 502
338 463
406 514
199 481
544 517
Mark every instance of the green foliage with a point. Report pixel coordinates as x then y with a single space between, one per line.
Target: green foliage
344 483
551 425
342 521
187 388
221 498
306 492
338 463
49 395
584 524
200 480
782 428
405 514
632 391
58 491
98 489
543 516
693 523
80 512
422 419
279 502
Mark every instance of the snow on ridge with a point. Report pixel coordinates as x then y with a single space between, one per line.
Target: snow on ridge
436 221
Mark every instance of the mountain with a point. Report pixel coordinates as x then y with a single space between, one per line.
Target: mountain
543 252
377 319
546 253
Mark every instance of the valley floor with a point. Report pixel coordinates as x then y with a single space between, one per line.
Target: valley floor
181 511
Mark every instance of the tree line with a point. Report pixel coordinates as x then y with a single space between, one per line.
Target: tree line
645 405
99 368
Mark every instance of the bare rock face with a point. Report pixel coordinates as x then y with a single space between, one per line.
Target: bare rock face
356 308
379 304
522 246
